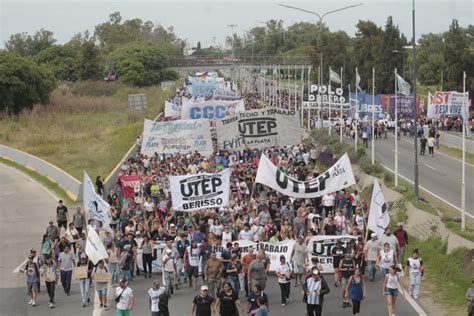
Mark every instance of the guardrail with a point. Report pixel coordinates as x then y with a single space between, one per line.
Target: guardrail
68 183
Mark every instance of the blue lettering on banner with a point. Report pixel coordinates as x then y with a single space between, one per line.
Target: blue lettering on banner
208 112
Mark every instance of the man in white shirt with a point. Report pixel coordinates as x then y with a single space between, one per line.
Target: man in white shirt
372 250
154 297
124 296
328 203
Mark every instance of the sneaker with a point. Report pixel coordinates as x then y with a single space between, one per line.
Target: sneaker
283 304
83 304
30 302
106 308
348 304
34 304
51 305
336 284
88 300
101 305
344 304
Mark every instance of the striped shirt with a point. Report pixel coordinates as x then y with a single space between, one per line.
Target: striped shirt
313 287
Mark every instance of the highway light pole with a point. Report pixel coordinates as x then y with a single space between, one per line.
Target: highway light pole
320 16
232 27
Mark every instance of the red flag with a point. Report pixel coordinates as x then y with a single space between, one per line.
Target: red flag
129 183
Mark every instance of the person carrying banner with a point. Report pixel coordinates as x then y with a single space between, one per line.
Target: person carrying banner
101 287
85 283
315 288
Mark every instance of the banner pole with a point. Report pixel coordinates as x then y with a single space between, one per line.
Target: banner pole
329 105
340 116
373 115
356 114
396 129
464 131
309 108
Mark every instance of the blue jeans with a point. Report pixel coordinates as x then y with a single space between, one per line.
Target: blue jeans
234 282
371 269
66 277
127 274
169 280
114 271
84 285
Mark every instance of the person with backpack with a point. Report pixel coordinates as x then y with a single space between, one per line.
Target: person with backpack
204 304
284 274
32 277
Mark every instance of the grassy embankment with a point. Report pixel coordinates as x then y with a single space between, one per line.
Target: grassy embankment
89 127
447 277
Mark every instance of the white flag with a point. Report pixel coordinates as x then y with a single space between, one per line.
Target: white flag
378 215
95 205
334 77
403 87
358 80
95 249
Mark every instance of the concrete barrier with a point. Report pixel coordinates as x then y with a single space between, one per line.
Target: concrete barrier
451 140
68 183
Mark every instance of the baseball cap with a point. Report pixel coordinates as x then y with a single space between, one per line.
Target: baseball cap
204 288
373 235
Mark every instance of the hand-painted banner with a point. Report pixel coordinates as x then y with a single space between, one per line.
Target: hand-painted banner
321 247
448 103
259 129
211 110
172 137
198 191
336 178
225 94
405 107
172 109
327 94
363 106
130 185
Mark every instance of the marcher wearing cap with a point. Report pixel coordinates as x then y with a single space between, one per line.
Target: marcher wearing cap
154 294
32 277
204 304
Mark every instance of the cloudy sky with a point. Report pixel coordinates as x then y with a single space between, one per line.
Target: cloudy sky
206 21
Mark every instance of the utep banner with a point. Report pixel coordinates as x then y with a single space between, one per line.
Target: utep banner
181 136
198 191
448 103
405 107
363 108
130 185
336 178
172 109
259 129
321 247
211 110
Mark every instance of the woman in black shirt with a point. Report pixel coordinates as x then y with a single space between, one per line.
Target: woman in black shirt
228 299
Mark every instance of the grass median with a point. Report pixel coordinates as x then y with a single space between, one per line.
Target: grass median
90 128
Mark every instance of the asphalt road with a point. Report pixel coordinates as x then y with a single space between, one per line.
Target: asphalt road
440 174
25 209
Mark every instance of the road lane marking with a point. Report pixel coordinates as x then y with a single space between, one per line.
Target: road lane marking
431 167
431 193
411 301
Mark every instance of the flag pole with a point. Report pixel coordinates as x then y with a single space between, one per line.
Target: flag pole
320 106
302 95
355 113
464 130
396 129
309 108
329 105
340 116
373 117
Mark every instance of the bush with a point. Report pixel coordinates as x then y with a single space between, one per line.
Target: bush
388 178
366 165
96 88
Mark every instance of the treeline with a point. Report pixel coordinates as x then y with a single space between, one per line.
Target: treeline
136 51
441 58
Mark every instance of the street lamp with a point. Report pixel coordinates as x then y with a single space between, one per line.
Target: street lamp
320 16
396 51
232 26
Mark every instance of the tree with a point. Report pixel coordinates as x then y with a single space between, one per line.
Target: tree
88 61
27 45
23 83
455 55
139 63
61 59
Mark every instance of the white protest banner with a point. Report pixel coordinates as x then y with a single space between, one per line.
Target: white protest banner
272 251
172 137
198 191
95 205
259 129
321 247
447 103
172 109
95 249
378 214
211 109
336 178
